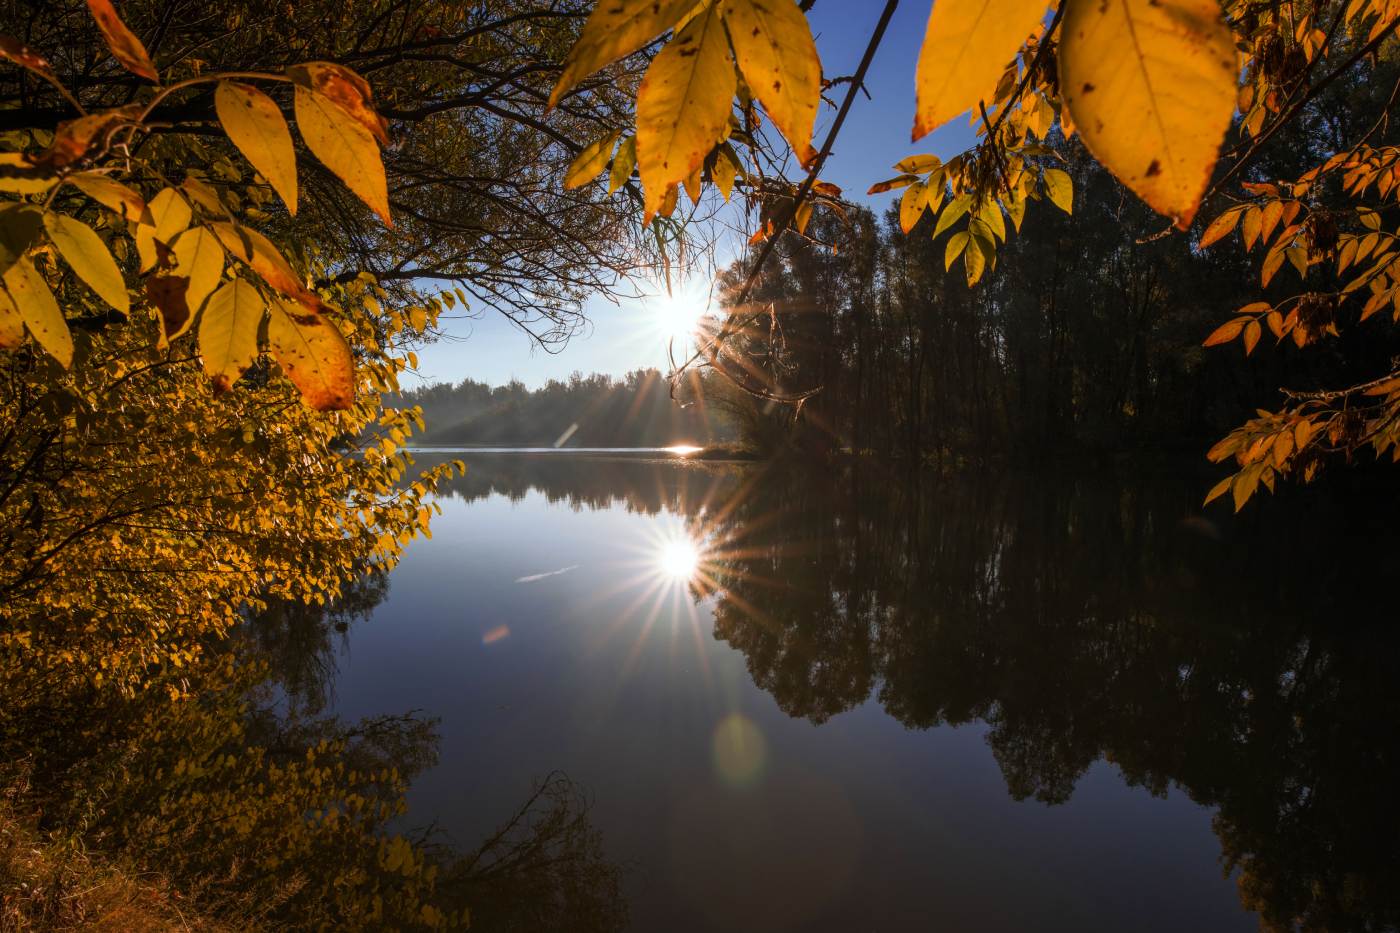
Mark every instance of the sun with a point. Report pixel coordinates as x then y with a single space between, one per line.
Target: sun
678 315
679 559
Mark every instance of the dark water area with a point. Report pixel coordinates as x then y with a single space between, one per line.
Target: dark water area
870 701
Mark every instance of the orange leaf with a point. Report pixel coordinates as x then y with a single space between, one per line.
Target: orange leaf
258 252
22 55
73 138
124 45
346 90
1221 226
1226 332
1252 332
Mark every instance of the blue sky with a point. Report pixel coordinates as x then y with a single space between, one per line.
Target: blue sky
623 337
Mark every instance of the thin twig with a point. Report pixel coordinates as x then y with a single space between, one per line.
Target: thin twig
711 349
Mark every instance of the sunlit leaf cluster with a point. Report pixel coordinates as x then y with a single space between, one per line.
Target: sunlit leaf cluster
190 252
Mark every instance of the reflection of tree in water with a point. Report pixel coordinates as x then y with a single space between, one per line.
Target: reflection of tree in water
297 639
266 813
587 482
1088 618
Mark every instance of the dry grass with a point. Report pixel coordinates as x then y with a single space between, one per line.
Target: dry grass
47 884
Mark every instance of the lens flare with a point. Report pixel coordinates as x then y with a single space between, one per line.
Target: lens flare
739 749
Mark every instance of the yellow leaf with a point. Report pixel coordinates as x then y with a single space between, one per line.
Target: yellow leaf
315 356
203 194
345 147
956 244
918 164
228 332
778 59
259 253
668 201
990 215
112 195
1253 219
124 45
616 28
802 216
1016 209
1060 187
974 260
1221 226
169 213
1218 490
952 213
40 312
167 294
967 46
911 205
624 160
902 181
726 169
1151 86
1244 487
89 258
590 161
254 123
693 185
18 175
683 106
344 88
199 258
11 324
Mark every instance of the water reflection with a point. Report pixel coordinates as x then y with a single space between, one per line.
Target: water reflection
1251 663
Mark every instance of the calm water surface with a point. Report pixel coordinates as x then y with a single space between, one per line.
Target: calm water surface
861 702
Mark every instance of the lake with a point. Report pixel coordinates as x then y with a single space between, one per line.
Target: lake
865 700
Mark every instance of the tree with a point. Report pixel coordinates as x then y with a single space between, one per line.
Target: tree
1157 120
216 257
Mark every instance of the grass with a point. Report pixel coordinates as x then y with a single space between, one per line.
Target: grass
49 884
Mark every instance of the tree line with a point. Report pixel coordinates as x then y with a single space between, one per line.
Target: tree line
598 410
1085 335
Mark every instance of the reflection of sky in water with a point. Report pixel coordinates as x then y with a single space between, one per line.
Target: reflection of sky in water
731 815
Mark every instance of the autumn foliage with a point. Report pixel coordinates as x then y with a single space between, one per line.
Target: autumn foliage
1153 88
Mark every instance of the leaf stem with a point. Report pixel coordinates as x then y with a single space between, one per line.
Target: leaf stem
205 79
